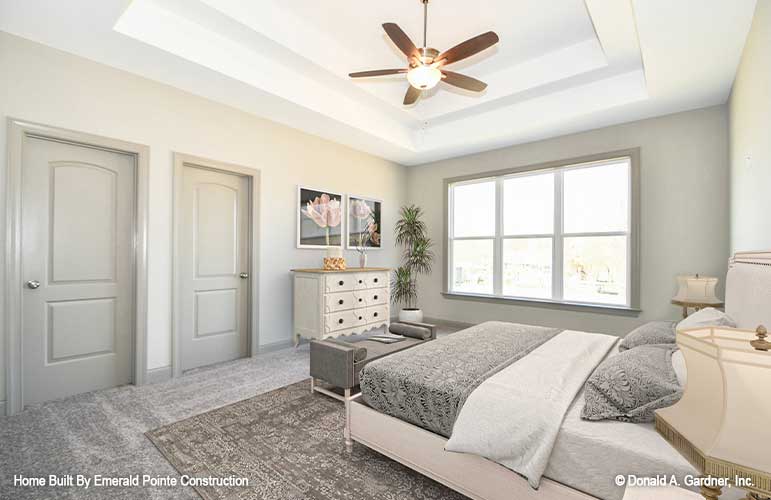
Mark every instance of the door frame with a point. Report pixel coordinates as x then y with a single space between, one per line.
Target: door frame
182 160
18 130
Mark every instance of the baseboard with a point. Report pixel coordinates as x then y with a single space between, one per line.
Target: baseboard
2 409
275 346
158 375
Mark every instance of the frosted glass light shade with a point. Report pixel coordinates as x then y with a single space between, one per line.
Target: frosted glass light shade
424 77
697 289
721 423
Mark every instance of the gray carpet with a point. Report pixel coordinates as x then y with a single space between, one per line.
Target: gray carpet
102 432
289 444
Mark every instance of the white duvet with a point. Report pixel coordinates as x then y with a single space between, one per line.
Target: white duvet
514 416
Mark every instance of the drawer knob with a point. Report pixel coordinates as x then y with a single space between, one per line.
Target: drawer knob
359 318
341 282
373 315
360 300
375 280
360 282
375 297
340 301
340 321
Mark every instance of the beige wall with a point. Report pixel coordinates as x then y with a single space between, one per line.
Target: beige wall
750 136
684 177
47 86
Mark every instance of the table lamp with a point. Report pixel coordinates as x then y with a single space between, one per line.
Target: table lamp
697 292
722 424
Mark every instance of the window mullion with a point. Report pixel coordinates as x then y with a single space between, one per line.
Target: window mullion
557 243
498 243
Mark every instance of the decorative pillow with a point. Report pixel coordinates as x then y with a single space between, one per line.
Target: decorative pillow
630 385
416 332
707 317
655 332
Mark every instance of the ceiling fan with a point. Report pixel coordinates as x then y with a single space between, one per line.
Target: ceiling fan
425 65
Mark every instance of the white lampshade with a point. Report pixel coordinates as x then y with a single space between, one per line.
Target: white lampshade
697 289
721 424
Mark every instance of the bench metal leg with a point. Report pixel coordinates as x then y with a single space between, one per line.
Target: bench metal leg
313 384
347 431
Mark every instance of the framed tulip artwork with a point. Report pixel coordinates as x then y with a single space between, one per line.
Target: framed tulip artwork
319 218
364 228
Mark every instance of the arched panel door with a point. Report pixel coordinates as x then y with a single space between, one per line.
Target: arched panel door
77 266
213 260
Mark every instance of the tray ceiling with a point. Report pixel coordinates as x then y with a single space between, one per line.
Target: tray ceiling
562 66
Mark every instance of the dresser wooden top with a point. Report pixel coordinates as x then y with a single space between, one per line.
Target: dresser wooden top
349 270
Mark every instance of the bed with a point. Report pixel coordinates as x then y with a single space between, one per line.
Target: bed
583 457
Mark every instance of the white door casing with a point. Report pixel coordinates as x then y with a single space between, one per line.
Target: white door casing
213 256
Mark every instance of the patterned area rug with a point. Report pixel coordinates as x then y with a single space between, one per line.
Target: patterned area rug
289 444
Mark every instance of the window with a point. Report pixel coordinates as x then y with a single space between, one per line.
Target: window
556 233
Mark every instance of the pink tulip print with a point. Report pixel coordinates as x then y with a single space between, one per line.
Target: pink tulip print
363 224
325 211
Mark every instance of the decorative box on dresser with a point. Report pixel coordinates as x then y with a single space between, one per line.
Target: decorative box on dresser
334 303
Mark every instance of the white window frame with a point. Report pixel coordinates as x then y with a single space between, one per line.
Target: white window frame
558 168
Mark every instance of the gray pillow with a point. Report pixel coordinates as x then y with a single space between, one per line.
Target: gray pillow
416 332
655 332
630 385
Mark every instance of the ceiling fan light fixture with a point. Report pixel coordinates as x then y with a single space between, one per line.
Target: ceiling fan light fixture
424 77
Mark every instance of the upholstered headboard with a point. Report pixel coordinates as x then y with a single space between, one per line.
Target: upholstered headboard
748 289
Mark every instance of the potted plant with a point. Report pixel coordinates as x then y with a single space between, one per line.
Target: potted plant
417 257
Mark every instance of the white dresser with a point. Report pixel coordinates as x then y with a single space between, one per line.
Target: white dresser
334 303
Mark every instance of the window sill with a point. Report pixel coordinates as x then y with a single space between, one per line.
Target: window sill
545 303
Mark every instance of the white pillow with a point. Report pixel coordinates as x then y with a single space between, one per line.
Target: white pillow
706 317
678 364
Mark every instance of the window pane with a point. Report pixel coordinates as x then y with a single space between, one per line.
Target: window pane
527 267
472 266
597 199
596 269
474 209
528 204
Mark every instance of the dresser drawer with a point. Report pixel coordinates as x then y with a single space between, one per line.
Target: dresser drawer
377 314
342 282
374 296
360 281
376 280
343 320
340 301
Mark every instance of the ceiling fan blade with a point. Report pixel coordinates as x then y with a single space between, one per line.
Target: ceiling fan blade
411 96
468 48
377 72
463 81
401 40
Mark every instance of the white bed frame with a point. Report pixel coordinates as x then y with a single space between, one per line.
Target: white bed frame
471 475
423 451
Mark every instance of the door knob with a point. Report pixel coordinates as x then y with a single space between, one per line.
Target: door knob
244 276
33 284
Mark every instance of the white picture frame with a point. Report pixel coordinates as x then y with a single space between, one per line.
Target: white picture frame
309 234
351 221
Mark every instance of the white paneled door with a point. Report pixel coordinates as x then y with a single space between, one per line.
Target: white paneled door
77 266
213 265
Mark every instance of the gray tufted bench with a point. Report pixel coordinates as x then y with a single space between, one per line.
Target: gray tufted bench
339 363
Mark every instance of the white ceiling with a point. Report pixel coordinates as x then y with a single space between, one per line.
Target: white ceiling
562 66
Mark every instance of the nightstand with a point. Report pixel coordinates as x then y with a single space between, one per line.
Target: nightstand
660 493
